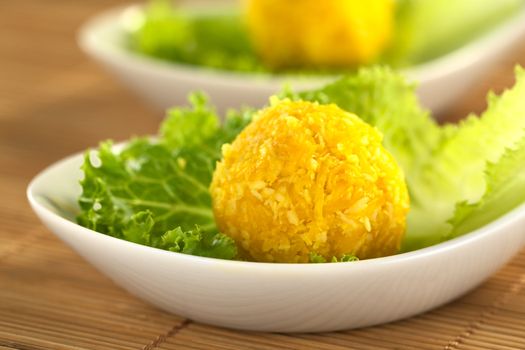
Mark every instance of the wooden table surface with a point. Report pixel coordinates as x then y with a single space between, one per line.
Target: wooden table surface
53 102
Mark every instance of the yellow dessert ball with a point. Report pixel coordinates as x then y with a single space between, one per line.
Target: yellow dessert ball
307 178
328 33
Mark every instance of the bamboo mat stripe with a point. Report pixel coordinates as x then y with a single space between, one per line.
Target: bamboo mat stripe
53 102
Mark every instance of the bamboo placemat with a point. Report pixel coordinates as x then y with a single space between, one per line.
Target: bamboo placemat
54 101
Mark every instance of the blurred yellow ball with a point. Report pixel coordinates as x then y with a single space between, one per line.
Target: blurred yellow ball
307 178
315 33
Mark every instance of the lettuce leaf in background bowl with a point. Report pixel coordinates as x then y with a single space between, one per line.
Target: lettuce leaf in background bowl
427 29
460 177
214 39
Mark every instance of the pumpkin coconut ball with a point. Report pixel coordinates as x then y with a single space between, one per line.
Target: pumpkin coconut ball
313 33
304 178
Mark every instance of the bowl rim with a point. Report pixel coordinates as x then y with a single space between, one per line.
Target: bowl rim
449 63
423 253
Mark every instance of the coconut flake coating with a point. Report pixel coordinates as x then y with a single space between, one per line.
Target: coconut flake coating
307 178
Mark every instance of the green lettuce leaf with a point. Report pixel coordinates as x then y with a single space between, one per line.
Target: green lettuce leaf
211 38
172 185
455 171
317 259
150 188
505 189
189 127
426 29
194 242
201 243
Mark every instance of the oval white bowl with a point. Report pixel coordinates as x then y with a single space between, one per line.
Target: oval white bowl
165 84
279 297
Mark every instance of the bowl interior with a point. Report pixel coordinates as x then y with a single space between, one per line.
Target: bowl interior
56 190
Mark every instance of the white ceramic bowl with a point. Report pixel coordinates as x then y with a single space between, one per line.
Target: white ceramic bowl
166 84
279 297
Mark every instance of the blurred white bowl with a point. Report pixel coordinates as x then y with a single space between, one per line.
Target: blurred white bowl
279 297
165 84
